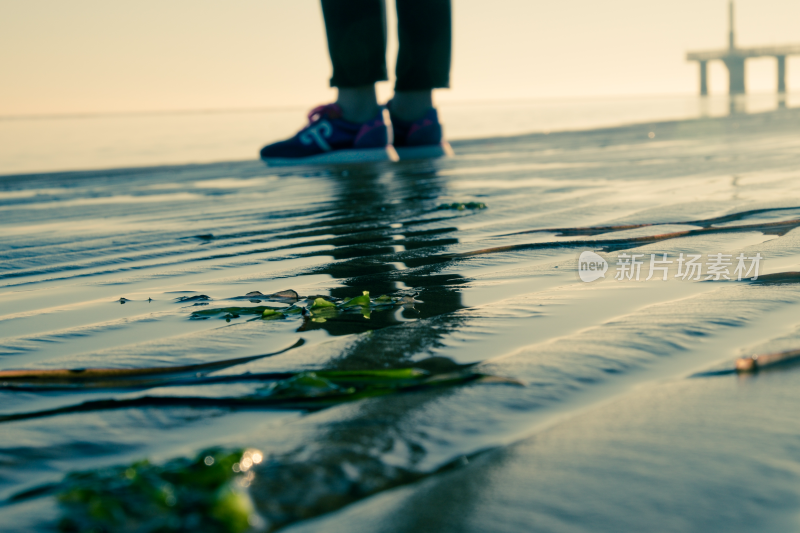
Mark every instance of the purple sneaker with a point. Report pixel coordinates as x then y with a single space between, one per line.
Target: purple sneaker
329 138
420 139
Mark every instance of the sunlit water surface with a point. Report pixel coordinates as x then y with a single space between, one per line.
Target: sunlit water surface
609 431
56 143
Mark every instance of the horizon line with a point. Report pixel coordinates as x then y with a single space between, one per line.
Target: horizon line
199 111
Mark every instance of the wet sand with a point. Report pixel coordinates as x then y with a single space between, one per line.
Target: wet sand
611 431
684 455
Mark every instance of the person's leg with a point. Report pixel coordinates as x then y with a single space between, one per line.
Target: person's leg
411 105
358 104
423 62
355 129
356 31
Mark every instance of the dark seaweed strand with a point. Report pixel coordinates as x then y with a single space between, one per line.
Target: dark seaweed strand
79 375
308 404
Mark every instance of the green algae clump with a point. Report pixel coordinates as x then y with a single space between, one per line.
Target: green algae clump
362 300
271 314
322 302
200 494
460 206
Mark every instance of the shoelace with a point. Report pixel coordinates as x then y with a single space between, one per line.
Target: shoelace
332 110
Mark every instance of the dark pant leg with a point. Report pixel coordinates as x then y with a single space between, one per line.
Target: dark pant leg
356 32
424 29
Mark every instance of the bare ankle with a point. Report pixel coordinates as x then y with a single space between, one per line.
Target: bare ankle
359 104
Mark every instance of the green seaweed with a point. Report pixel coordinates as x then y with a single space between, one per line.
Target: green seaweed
208 492
122 377
319 309
308 390
233 312
306 385
205 493
322 302
340 383
340 386
362 300
459 206
271 314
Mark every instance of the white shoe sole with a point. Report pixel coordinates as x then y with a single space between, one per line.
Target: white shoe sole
367 155
442 149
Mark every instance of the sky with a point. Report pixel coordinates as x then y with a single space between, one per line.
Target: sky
99 56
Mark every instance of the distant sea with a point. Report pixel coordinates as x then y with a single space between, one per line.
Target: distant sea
81 142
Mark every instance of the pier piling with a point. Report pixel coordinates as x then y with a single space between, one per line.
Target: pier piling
734 59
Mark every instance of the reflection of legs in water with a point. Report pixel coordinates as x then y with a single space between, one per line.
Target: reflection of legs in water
370 449
350 458
355 128
372 446
370 255
379 443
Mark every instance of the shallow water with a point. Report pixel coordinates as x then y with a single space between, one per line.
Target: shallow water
80 142
606 365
